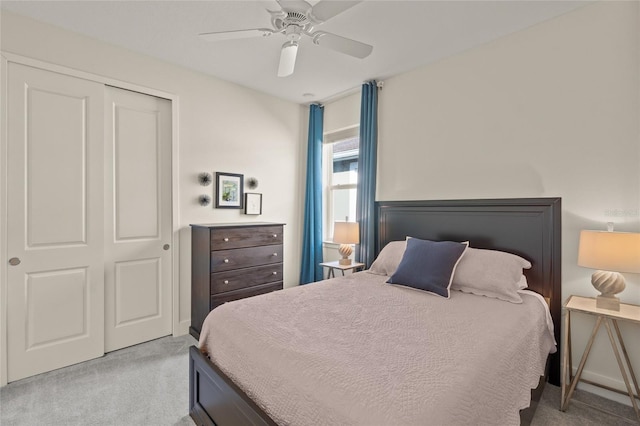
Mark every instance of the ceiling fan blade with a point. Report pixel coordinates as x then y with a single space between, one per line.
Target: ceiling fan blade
288 58
327 9
342 44
300 6
236 34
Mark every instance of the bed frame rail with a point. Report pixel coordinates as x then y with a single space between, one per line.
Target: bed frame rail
214 399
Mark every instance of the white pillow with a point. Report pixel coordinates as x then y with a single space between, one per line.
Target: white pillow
522 284
491 273
389 258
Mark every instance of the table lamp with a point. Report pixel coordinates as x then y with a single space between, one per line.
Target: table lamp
346 234
610 253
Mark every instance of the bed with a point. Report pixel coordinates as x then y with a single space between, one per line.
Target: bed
390 393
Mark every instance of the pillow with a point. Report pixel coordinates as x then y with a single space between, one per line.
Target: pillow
491 273
428 265
389 258
522 284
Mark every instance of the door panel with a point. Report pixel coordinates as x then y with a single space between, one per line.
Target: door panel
138 290
55 226
138 218
61 295
137 183
59 191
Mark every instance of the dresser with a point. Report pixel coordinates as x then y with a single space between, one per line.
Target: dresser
232 261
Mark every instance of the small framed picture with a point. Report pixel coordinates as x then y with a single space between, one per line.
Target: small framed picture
252 203
229 193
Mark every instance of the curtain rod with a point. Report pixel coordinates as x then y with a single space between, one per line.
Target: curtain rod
346 93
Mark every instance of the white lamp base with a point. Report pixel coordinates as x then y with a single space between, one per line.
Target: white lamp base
609 284
611 303
345 250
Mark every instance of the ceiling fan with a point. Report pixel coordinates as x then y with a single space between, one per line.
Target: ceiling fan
296 19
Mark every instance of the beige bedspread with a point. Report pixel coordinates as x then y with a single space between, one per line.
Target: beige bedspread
354 350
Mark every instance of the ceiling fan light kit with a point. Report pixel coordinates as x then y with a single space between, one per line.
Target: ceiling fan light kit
298 18
288 58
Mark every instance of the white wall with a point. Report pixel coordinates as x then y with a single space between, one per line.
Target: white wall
549 111
342 113
221 127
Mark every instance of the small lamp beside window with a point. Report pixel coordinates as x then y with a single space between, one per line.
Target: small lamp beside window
611 253
346 234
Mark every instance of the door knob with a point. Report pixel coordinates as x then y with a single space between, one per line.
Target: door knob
166 246
14 261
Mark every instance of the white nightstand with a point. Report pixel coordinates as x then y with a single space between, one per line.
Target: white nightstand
587 305
354 266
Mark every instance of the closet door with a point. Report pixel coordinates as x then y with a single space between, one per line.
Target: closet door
55 221
138 218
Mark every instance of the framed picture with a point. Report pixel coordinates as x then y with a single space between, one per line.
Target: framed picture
229 194
252 203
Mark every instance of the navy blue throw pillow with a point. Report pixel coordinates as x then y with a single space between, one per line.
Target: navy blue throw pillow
429 265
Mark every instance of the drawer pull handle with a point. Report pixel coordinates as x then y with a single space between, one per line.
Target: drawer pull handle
275 273
226 281
275 235
275 254
226 240
226 261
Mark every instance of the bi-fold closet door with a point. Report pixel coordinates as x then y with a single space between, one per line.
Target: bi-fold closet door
89 219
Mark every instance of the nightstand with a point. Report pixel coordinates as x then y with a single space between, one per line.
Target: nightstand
333 266
587 305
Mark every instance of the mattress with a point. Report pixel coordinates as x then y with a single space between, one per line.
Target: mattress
356 351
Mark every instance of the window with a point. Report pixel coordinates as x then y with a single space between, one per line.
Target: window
340 178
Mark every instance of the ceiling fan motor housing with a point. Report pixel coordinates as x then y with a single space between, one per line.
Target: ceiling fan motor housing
296 18
293 33
283 20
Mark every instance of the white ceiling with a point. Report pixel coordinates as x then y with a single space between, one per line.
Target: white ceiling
405 35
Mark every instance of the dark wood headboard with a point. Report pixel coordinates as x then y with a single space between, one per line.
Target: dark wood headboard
528 227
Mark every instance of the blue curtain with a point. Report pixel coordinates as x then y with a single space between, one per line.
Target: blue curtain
367 162
311 270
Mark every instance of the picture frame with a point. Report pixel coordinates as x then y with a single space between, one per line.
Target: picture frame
252 203
229 190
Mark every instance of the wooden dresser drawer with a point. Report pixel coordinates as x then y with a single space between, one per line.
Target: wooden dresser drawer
219 299
225 260
243 278
231 238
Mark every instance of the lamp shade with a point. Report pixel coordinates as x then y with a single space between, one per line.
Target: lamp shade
610 251
346 233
